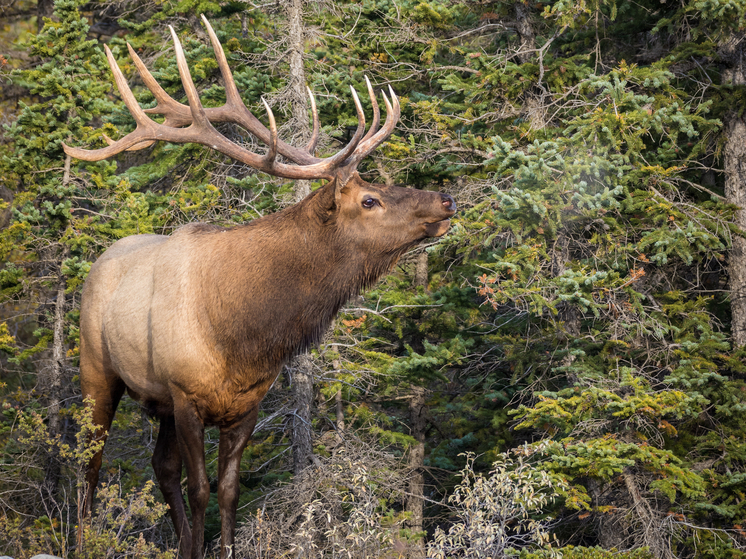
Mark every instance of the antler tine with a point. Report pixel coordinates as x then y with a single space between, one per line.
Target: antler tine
395 99
195 105
136 147
176 113
124 89
376 113
271 154
142 133
233 98
350 148
311 146
393 111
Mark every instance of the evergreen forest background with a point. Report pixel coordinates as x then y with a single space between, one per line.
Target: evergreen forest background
561 375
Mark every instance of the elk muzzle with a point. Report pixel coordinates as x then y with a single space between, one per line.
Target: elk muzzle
439 228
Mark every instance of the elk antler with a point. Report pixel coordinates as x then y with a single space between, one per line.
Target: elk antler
199 129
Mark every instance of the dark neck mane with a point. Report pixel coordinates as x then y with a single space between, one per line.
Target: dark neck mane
280 283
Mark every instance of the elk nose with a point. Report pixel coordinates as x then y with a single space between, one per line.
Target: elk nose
448 202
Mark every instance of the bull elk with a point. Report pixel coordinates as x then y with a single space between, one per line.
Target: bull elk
196 326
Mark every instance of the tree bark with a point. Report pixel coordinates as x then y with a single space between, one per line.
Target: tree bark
420 270
568 314
54 388
302 386
525 31
648 533
297 78
57 369
44 9
735 192
340 412
302 434
297 83
611 530
416 495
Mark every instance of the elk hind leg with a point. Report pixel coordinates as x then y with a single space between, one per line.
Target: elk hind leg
104 391
190 431
167 465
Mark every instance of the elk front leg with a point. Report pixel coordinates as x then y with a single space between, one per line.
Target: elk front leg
233 440
167 467
190 431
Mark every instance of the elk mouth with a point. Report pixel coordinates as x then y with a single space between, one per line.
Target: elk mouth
437 228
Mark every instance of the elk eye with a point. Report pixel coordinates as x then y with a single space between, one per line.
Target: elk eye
369 202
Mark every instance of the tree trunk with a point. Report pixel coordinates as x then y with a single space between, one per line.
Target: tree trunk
648 532
525 31
302 386
302 434
420 270
416 496
611 527
297 78
340 424
735 192
568 314
57 370
44 8
54 388
297 83
6 195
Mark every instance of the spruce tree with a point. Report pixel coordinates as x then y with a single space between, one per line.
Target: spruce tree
51 236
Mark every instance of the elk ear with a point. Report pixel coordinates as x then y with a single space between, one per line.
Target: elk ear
330 198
